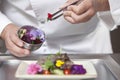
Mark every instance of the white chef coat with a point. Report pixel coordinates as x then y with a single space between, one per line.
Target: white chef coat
115 10
89 37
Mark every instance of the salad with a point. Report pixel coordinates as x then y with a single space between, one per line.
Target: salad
57 64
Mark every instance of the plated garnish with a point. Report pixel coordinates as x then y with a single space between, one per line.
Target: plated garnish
57 64
49 17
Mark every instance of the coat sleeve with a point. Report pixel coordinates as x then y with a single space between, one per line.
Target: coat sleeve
4 21
107 19
111 18
115 10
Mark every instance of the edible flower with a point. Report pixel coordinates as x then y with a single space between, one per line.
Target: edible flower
22 32
59 63
31 35
34 69
49 16
78 69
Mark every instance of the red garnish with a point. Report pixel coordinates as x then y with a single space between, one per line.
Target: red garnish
49 16
66 71
46 72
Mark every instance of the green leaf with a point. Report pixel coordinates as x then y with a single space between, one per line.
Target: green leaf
44 67
58 53
48 64
58 72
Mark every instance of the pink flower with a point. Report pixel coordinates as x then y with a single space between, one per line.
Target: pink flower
34 69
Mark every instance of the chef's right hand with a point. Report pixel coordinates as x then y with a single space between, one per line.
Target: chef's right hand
12 42
84 10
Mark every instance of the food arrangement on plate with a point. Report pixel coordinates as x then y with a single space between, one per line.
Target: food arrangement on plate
57 64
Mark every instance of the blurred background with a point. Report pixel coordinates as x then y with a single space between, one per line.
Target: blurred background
115 38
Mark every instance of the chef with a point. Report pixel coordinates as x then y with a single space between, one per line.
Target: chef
84 28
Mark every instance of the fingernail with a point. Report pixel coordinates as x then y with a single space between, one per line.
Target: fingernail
20 44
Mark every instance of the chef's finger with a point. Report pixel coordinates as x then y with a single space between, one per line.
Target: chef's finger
83 17
14 38
18 51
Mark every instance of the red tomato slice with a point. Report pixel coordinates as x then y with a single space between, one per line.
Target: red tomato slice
46 72
66 71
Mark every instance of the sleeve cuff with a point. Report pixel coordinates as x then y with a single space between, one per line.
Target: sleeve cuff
107 19
4 21
115 10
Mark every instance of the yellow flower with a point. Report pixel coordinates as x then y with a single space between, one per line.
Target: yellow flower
22 32
59 63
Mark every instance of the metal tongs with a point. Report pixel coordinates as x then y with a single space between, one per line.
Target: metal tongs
57 14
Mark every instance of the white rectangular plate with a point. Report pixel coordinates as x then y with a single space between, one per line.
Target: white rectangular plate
21 72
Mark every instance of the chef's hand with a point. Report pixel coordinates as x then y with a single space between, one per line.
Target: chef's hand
12 42
84 10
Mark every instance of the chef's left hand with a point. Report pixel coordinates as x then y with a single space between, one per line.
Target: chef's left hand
84 11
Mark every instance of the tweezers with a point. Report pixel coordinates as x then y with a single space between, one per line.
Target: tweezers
55 15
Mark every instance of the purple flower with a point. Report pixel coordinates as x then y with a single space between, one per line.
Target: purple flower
31 34
34 69
77 69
